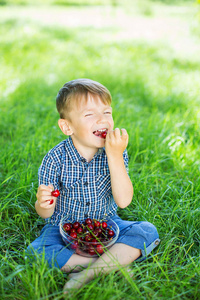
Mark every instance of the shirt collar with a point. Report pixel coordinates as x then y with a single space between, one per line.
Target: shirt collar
75 155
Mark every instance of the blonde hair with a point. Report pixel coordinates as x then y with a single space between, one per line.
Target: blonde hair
77 89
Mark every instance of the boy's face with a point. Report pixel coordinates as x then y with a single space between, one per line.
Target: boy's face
87 121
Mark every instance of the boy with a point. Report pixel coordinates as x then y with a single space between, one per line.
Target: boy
90 171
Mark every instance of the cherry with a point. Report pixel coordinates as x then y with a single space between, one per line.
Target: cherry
111 232
67 226
103 135
104 225
94 242
96 232
88 238
100 249
88 221
79 230
91 251
73 235
55 193
74 245
100 231
90 226
72 230
97 223
76 225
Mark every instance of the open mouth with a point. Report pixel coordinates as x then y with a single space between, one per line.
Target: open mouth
101 133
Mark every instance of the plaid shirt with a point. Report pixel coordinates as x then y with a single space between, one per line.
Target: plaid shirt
85 187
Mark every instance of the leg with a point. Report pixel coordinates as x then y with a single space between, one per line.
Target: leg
76 263
51 245
105 263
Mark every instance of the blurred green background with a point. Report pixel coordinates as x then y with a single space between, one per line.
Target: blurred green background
147 53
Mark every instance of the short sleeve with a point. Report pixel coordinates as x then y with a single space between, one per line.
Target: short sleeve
48 172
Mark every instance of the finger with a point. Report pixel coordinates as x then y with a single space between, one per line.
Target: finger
46 204
51 187
124 133
46 198
44 187
117 132
44 193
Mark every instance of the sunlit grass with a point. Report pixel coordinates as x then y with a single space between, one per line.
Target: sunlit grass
156 97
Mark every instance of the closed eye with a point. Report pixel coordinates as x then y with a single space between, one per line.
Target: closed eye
88 115
107 112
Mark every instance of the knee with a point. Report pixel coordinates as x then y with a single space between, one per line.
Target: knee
149 231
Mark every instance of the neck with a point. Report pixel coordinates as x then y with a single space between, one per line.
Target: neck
86 152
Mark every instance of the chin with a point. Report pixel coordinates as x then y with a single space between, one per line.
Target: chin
101 144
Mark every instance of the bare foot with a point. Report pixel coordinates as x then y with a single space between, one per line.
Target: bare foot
76 281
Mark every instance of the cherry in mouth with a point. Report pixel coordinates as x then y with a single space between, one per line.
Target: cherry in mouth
103 135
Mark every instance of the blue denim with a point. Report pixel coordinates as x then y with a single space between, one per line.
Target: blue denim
140 235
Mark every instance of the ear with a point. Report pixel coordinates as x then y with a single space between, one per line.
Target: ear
65 126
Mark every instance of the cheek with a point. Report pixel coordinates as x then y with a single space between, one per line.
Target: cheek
111 124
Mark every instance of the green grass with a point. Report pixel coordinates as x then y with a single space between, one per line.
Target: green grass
156 97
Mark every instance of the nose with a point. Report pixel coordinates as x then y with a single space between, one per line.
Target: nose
101 118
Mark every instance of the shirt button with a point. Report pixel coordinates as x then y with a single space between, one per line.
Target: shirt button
86 183
83 160
86 215
88 203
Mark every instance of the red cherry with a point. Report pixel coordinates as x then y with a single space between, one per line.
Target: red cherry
67 226
51 201
88 221
111 232
94 242
79 230
74 245
97 223
100 249
88 238
104 225
90 226
55 193
72 230
91 251
96 232
73 235
76 225
103 135
100 231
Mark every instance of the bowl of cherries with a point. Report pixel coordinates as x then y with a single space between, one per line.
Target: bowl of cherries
89 237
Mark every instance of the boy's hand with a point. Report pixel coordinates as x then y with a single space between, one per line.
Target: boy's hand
116 142
44 196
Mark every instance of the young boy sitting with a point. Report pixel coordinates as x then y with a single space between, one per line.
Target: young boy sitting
90 170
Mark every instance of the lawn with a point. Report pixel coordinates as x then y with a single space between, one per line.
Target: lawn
153 73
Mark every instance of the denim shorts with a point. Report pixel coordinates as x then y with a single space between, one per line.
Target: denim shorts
140 235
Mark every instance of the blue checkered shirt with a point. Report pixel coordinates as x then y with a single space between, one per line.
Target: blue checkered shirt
85 187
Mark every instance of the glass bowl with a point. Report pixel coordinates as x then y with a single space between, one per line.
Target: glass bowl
95 243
